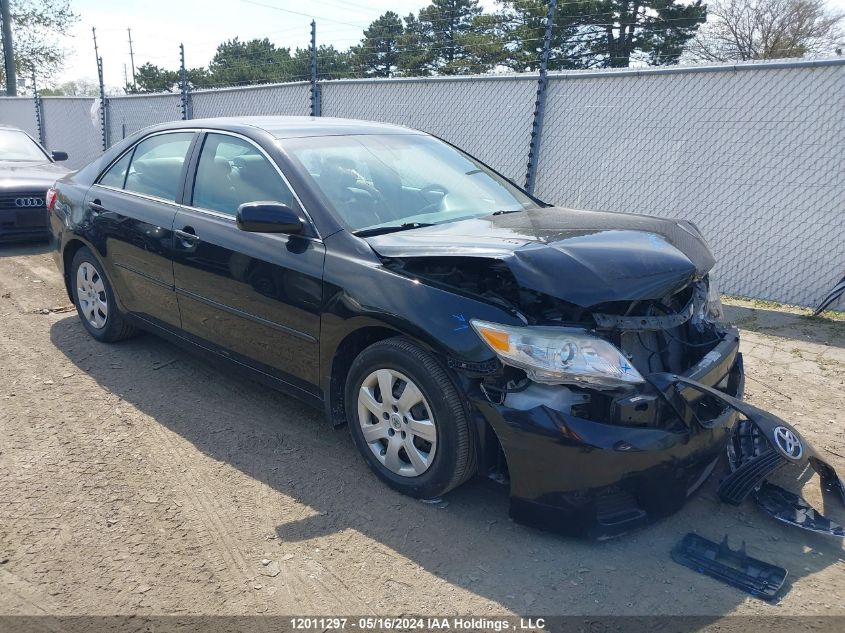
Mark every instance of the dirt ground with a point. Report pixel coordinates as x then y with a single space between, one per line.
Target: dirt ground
134 478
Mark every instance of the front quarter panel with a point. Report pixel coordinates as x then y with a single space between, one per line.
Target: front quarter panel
360 292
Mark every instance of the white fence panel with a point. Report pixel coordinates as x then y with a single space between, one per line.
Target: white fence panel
70 127
287 99
489 117
135 112
752 156
20 112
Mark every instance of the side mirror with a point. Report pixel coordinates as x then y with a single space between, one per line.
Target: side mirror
59 156
268 217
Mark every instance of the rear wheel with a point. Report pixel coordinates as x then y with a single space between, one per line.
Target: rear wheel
94 299
406 418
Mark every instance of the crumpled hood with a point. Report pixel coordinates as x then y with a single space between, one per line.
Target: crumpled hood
21 176
583 257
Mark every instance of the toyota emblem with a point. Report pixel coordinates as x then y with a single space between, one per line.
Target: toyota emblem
788 443
29 202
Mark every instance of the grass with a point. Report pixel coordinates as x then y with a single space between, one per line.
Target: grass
829 316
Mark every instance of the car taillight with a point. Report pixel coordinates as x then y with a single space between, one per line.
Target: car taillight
51 198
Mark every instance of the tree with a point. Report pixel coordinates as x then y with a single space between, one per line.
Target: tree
741 30
151 78
256 61
78 88
651 31
378 53
331 64
37 28
414 56
198 78
457 38
524 26
602 33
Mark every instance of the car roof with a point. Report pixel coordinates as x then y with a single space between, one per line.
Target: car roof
293 126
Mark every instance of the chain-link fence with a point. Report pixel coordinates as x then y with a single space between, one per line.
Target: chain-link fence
489 117
72 125
285 99
127 115
751 153
19 112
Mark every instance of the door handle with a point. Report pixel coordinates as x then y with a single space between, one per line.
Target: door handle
188 236
96 206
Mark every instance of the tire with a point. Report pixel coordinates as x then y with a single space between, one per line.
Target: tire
94 299
418 467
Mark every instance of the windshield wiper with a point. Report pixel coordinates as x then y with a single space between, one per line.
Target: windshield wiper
503 212
381 230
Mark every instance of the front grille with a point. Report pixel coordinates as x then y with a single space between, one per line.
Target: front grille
23 200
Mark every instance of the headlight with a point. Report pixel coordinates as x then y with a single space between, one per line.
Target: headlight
713 306
555 355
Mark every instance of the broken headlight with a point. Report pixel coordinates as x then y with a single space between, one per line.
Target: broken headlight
713 305
555 355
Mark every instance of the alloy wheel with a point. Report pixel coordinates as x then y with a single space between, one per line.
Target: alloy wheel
91 293
397 422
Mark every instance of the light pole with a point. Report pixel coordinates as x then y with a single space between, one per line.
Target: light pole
8 50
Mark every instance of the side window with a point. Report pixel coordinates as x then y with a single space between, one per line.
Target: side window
233 171
116 175
157 165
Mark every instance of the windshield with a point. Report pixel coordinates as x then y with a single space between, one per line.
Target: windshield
15 145
402 180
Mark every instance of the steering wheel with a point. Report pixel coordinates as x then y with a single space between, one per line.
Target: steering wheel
432 206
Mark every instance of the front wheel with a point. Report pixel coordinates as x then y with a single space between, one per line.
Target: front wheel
406 418
94 299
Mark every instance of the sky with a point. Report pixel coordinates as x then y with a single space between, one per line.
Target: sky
158 26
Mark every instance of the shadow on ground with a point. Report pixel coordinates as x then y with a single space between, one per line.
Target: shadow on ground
471 543
791 325
14 249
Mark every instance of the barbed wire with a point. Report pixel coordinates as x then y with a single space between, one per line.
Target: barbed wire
579 42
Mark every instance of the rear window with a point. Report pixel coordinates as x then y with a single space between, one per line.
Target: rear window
155 166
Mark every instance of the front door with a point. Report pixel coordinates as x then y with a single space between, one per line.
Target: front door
254 297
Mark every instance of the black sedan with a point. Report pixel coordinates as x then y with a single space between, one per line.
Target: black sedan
456 324
26 172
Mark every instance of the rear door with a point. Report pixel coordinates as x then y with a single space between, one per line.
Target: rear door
132 207
255 297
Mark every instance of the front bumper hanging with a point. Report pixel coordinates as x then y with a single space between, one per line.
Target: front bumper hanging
761 444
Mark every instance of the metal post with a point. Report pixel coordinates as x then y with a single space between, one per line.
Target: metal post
8 50
184 94
540 102
315 88
104 122
37 99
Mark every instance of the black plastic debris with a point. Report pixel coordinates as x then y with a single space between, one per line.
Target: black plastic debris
836 293
790 508
733 567
759 445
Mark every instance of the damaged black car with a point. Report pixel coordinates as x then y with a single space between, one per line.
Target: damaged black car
456 324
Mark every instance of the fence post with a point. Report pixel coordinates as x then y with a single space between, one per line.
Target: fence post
540 102
184 93
37 102
104 121
315 87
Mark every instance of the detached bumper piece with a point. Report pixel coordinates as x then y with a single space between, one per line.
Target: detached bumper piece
733 567
760 445
832 298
